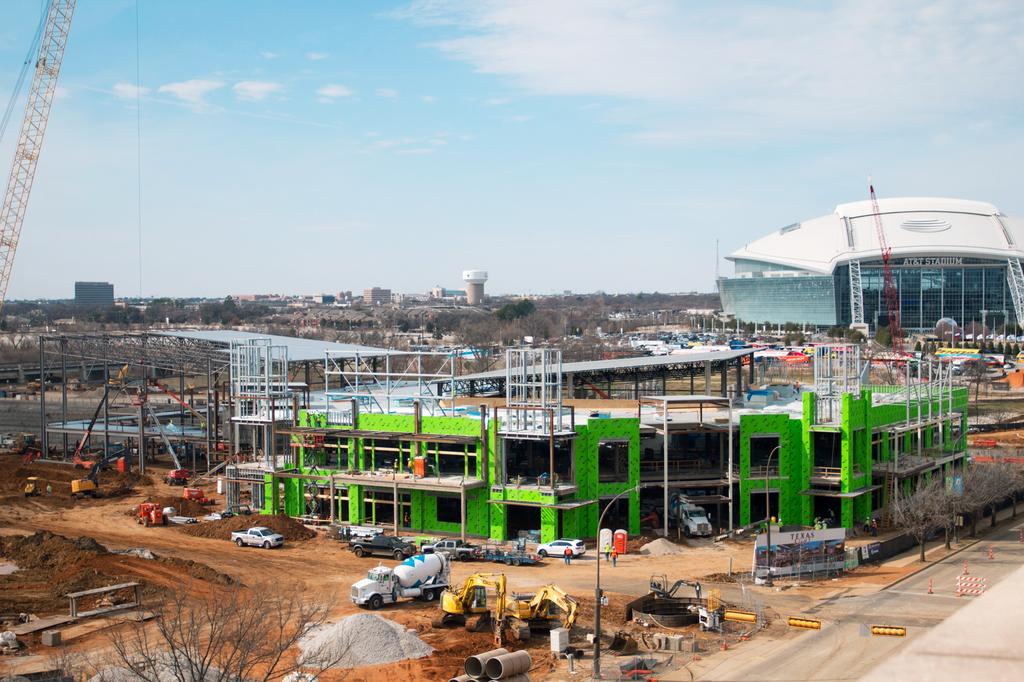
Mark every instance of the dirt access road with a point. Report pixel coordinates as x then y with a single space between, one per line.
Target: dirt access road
327 570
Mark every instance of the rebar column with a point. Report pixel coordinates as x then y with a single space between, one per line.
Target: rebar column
64 394
44 447
142 429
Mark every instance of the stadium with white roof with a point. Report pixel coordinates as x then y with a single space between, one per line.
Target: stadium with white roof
951 258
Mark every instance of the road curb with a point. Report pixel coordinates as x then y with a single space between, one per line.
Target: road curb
951 554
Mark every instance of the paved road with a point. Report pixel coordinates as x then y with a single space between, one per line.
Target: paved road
840 651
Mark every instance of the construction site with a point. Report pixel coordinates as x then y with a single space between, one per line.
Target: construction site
166 447
206 502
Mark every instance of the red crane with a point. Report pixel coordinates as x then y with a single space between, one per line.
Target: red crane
892 295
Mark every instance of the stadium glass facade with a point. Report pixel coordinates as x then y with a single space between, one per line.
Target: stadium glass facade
959 288
805 299
964 289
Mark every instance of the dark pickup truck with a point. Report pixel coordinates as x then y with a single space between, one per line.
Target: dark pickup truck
382 545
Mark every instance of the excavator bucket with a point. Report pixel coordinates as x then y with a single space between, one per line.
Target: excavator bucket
449 620
481 623
623 643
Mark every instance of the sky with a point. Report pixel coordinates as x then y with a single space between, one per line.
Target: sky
321 146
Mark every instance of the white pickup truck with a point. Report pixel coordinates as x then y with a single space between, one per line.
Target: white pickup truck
257 537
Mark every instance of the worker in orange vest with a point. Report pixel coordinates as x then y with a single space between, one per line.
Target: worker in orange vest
568 556
615 555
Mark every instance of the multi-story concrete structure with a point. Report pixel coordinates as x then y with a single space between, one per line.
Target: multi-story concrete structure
376 296
950 257
94 293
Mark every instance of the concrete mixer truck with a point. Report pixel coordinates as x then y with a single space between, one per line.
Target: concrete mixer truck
424 576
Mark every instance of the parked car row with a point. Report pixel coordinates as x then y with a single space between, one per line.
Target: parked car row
362 543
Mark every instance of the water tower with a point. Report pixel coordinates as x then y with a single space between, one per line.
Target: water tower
474 280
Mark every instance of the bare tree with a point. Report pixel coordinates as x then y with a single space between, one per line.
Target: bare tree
226 635
1004 484
924 511
985 486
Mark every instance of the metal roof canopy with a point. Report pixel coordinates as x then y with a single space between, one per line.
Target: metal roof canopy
628 363
627 367
299 349
184 350
834 493
576 504
382 435
368 480
168 353
684 401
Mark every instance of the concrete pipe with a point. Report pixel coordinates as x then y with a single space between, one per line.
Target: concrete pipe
474 665
517 678
462 678
507 665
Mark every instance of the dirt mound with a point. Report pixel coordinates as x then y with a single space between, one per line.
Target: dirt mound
184 507
45 550
59 477
720 578
661 547
194 569
51 565
288 527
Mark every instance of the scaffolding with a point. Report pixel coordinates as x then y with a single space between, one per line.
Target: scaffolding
533 394
837 371
259 381
261 395
386 383
252 477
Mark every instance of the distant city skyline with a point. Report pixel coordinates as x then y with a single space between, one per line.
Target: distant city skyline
599 145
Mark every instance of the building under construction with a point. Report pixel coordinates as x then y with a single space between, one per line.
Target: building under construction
386 447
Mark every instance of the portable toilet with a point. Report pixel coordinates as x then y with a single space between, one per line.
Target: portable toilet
619 541
604 539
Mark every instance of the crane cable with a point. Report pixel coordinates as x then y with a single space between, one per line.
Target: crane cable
138 128
29 57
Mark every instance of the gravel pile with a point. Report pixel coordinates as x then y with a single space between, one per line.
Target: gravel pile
661 547
363 639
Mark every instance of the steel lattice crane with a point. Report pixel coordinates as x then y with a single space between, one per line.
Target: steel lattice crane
33 126
892 296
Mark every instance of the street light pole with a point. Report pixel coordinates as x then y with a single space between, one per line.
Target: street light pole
768 514
597 583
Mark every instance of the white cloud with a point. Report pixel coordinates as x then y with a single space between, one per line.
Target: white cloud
316 56
254 91
191 91
60 92
520 118
387 92
331 92
269 55
428 99
123 90
768 69
495 101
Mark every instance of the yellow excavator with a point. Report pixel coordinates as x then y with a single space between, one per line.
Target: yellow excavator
509 617
550 607
470 599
